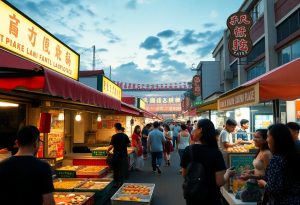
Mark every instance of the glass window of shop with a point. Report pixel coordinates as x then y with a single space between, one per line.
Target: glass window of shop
257 11
288 26
256 70
12 118
289 53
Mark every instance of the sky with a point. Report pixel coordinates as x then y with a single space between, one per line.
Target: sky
143 41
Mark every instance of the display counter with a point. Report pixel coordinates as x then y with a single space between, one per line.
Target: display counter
74 198
232 200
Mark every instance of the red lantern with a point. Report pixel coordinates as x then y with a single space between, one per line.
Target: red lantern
45 122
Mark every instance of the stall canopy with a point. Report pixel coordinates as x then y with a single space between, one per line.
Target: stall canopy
127 109
22 74
282 83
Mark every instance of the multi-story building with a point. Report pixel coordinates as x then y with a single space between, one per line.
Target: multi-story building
275 34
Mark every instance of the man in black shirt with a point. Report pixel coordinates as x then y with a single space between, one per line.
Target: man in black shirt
24 179
145 134
119 142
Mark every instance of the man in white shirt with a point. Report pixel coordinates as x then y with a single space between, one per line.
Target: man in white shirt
226 135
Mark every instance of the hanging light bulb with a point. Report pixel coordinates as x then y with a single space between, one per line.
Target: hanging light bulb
78 117
61 115
99 118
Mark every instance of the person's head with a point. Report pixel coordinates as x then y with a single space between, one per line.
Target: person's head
148 126
118 127
137 129
156 124
294 129
280 139
244 124
29 137
230 125
260 139
167 128
188 122
207 132
183 127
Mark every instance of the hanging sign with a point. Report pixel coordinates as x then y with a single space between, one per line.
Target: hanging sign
22 36
141 104
108 87
196 85
240 43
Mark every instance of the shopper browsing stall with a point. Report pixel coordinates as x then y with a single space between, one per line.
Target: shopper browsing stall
138 150
294 129
24 179
119 143
282 179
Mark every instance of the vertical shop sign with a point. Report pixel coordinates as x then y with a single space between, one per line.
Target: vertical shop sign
239 24
108 87
298 109
196 85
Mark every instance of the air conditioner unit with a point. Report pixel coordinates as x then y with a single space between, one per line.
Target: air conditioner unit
228 75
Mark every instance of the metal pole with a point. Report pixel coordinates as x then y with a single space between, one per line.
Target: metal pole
110 72
276 116
94 56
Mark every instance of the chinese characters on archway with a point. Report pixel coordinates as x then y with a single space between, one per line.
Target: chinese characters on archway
21 36
240 43
163 104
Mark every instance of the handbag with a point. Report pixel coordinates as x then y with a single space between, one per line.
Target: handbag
111 160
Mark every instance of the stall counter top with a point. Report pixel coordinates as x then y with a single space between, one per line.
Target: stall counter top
232 200
130 150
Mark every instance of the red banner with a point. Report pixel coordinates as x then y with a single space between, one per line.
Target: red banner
164 108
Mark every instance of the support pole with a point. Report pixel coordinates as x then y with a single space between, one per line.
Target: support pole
276 116
94 57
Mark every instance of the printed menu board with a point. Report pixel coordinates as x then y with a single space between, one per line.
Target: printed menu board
56 137
241 162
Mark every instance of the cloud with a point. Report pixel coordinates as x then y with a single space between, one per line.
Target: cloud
82 8
101 50
205 50
166 33
214 14
158 55
180 52
131 4
151 42
66 39
111 36
189 38
209 25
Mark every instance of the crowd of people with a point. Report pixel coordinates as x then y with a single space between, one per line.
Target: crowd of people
276 163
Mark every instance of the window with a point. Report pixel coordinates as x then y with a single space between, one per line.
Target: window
256 70
288 26
257 50
289 53
257 11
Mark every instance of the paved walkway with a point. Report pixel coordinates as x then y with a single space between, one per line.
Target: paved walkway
167 184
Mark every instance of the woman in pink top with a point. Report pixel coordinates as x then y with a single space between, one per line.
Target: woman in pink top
138 149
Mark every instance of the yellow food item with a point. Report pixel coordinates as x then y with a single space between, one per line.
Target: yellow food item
129 198
68 168
66 184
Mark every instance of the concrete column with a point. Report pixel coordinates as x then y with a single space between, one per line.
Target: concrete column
270 35
227 84
242 74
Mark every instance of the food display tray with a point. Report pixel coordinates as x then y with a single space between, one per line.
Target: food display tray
88 201
144 199
98 192
85 173
70 189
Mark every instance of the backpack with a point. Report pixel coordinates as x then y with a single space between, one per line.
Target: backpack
195 182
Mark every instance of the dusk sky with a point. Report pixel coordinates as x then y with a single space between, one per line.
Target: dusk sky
144 41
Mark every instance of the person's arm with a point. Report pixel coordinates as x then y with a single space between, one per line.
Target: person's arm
48 199
223 176
110 147
177 141
227 144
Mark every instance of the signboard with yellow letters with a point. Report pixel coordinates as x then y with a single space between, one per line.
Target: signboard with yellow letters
141 104
106 86
23 37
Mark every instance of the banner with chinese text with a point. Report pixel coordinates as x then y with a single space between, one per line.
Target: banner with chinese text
22 36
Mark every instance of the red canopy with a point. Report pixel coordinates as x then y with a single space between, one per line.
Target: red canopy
127 109
58 85
282 83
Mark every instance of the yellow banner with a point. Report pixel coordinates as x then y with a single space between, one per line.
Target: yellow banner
23 37
245 97
111 89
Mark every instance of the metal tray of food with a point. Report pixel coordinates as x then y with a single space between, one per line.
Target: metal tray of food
74 198
133 193
67 184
